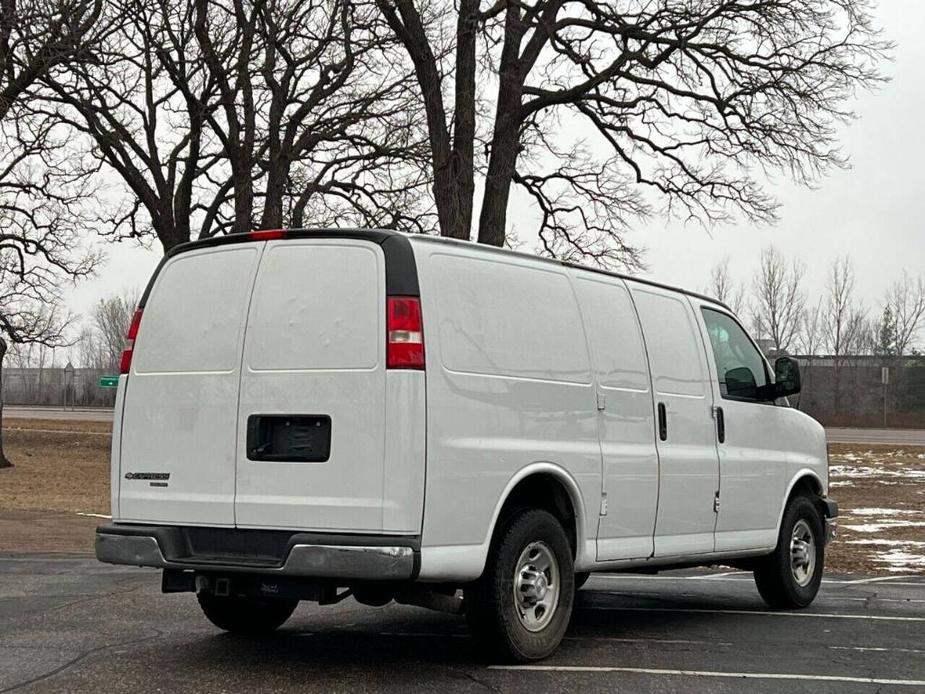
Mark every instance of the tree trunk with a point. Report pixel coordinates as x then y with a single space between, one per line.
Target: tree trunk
505 142
453 185
464 131
4 461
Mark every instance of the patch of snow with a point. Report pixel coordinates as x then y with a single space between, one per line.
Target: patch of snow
883 525
881 512
847 483
900 560
889 543
868 471
93 515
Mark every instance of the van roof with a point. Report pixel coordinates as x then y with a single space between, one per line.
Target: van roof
381 235
562 263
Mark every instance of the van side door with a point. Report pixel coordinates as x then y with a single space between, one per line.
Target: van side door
685 439
625 417
751 435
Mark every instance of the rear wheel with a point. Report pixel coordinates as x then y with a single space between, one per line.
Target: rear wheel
521 606
246 616
791 575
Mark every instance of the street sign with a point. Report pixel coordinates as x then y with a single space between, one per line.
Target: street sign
885 375
109 381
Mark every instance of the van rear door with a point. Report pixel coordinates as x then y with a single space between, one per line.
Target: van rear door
311 419
179 418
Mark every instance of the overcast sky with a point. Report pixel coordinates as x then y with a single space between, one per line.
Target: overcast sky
872 212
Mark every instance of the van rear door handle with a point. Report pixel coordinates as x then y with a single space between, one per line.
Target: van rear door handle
662 422
720 424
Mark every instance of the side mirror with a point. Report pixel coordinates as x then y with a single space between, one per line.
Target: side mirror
786 377
740 383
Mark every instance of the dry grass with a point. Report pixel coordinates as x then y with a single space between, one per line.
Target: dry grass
881 496
56 425
63 468
55 469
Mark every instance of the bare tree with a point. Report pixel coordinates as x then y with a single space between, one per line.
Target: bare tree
809 341
30 306
141 103
843 321
35 37
111 320
89 349
44 201
779 300
724 288
672 103
223 116
810 336
905 302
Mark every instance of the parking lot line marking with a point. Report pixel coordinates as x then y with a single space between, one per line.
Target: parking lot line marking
745 579
695 610
877 649
683 642
713 577
879 579
711 673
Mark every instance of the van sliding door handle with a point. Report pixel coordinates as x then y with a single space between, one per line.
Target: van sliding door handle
720 425
662 422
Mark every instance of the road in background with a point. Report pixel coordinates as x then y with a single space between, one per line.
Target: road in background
902 437
907 437
73 624
100 414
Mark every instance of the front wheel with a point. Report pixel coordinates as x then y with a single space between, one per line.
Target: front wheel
246 616
790 577
521 606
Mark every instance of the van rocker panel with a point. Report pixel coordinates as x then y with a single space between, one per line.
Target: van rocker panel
302 554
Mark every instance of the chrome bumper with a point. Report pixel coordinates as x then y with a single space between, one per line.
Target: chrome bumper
357 562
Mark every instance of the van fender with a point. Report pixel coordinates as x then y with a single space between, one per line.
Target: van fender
584 553
797 477
462 563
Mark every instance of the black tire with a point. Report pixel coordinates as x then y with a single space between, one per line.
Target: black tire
776 575
494 616
246 616
581 578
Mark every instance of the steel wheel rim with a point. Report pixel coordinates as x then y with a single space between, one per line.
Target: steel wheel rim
802 553
536 586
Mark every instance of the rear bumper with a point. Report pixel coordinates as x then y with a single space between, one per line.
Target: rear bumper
306 555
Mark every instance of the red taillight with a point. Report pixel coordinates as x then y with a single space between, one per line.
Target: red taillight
266 234
404 333
126 362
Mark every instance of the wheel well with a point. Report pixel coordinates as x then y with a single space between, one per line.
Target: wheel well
543 491
810 487
807 485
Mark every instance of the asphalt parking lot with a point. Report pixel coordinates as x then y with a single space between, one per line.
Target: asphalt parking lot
70 624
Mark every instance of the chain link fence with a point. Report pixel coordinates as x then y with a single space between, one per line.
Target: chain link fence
849 392
56 386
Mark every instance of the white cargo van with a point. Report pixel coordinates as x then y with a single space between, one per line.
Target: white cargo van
306 415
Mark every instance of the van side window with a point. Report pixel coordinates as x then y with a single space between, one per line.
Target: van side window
739 365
